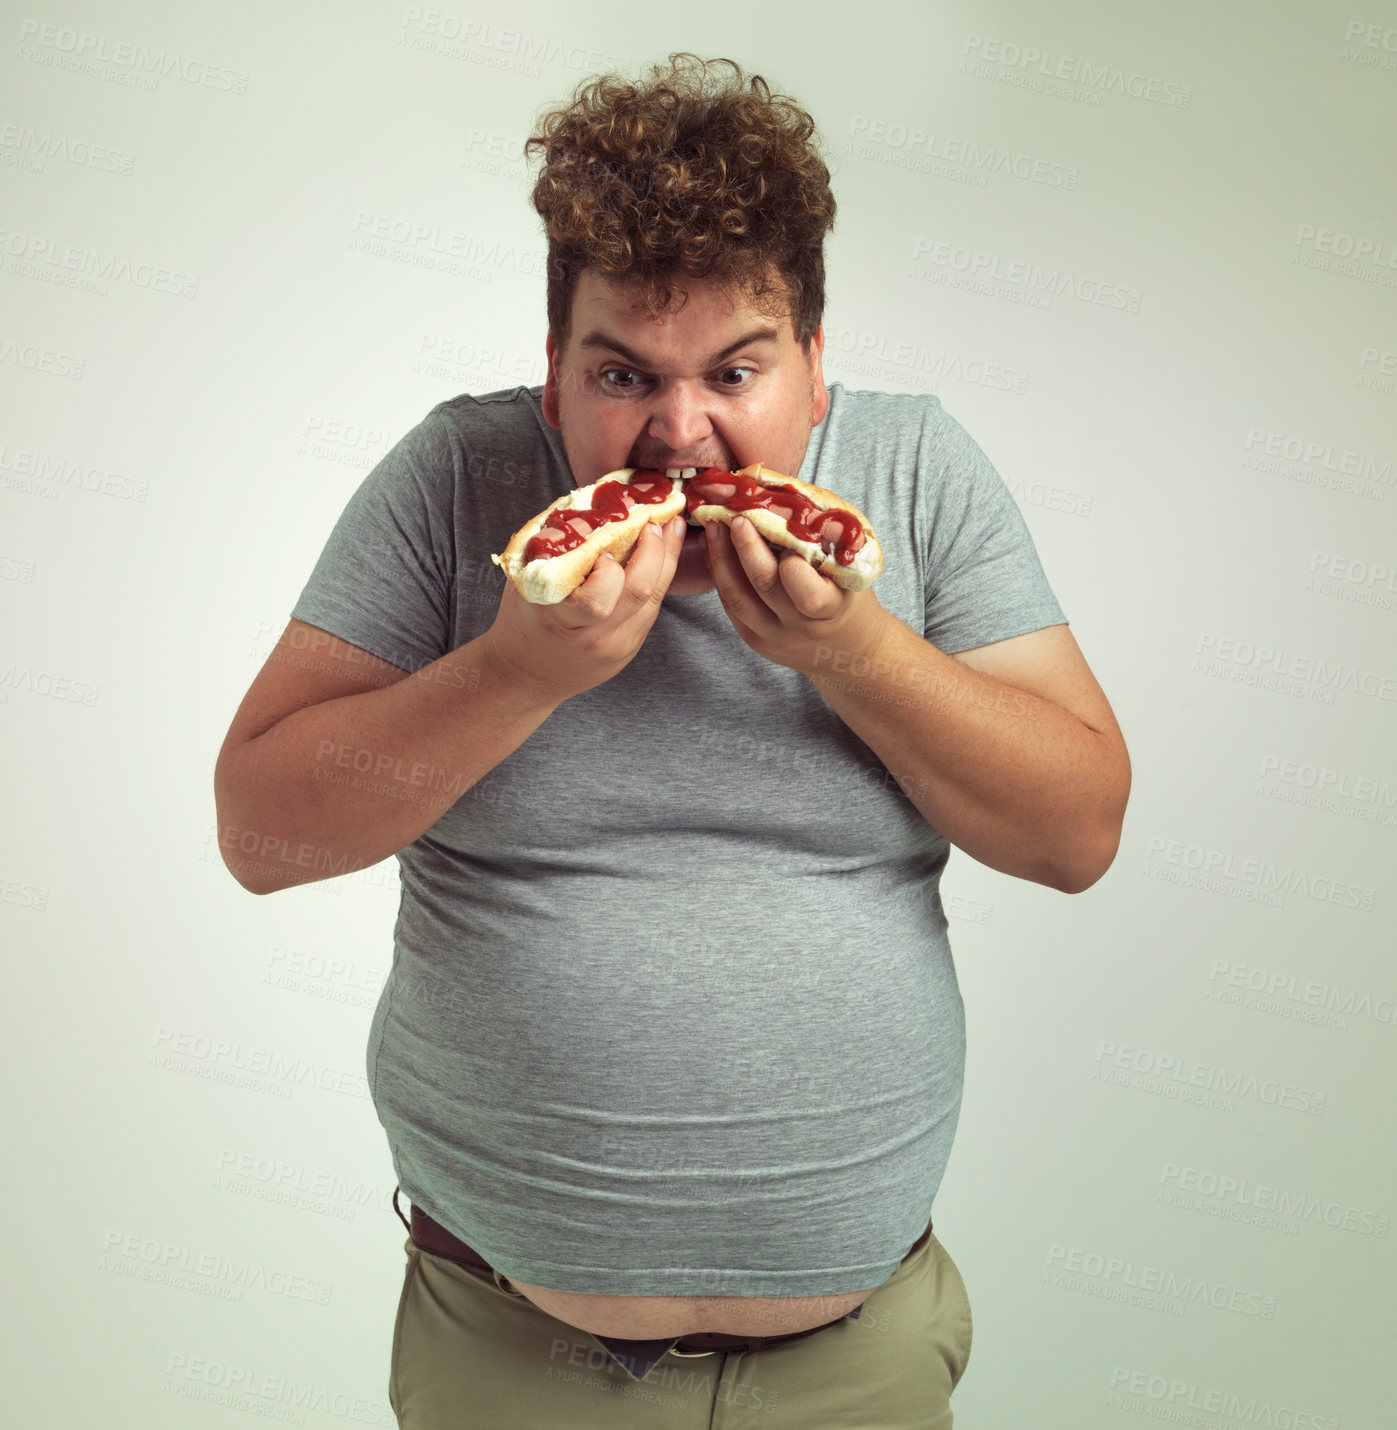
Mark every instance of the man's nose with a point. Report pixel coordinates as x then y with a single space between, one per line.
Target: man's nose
679 417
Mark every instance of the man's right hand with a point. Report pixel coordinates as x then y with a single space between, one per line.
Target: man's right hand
556 652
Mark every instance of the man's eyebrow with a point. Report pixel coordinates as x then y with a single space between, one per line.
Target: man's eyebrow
599 339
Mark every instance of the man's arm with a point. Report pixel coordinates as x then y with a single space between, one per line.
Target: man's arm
1011 748
335 762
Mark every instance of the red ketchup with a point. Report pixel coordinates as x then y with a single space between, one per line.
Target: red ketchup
837 533
612 501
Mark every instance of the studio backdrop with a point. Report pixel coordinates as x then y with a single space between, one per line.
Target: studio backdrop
1146 255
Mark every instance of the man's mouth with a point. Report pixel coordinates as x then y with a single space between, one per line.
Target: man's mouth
669 465
694 534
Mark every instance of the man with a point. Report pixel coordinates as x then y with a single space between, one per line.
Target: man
670 1055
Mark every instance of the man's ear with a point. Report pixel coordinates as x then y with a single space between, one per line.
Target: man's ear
818 392
550 385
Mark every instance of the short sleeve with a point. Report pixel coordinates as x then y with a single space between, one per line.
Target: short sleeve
384 578
984 579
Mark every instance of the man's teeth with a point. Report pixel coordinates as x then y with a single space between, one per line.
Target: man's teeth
683 473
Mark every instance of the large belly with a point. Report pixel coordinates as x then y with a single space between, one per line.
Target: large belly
640 1318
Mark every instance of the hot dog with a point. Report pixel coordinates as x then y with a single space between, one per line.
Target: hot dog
832 534
551 555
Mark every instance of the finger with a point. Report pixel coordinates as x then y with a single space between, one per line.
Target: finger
813 595
647 556
784 579
723 561
652 562
595 599
758 560
740 598
674 545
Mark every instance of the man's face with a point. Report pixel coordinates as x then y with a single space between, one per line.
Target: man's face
716 384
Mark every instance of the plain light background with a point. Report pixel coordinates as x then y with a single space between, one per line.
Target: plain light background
1148 257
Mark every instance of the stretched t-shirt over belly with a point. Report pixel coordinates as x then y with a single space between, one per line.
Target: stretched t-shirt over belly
672 1009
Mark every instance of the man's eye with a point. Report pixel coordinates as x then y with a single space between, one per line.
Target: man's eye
624 379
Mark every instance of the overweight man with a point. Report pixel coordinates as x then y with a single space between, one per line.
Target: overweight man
670 1055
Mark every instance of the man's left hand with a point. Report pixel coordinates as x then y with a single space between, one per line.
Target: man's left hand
783 608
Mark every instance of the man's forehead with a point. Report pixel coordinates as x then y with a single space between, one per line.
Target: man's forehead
599 299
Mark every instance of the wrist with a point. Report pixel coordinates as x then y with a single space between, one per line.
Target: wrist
856 644
510 680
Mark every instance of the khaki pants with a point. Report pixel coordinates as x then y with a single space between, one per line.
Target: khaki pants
469 1354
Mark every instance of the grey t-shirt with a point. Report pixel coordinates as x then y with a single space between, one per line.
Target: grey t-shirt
672 1009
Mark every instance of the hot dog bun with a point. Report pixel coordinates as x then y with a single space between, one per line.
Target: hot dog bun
551 579
867 564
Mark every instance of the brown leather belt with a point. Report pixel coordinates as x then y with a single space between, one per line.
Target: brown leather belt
431 1236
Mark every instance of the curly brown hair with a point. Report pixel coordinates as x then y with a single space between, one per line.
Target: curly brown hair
672 177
